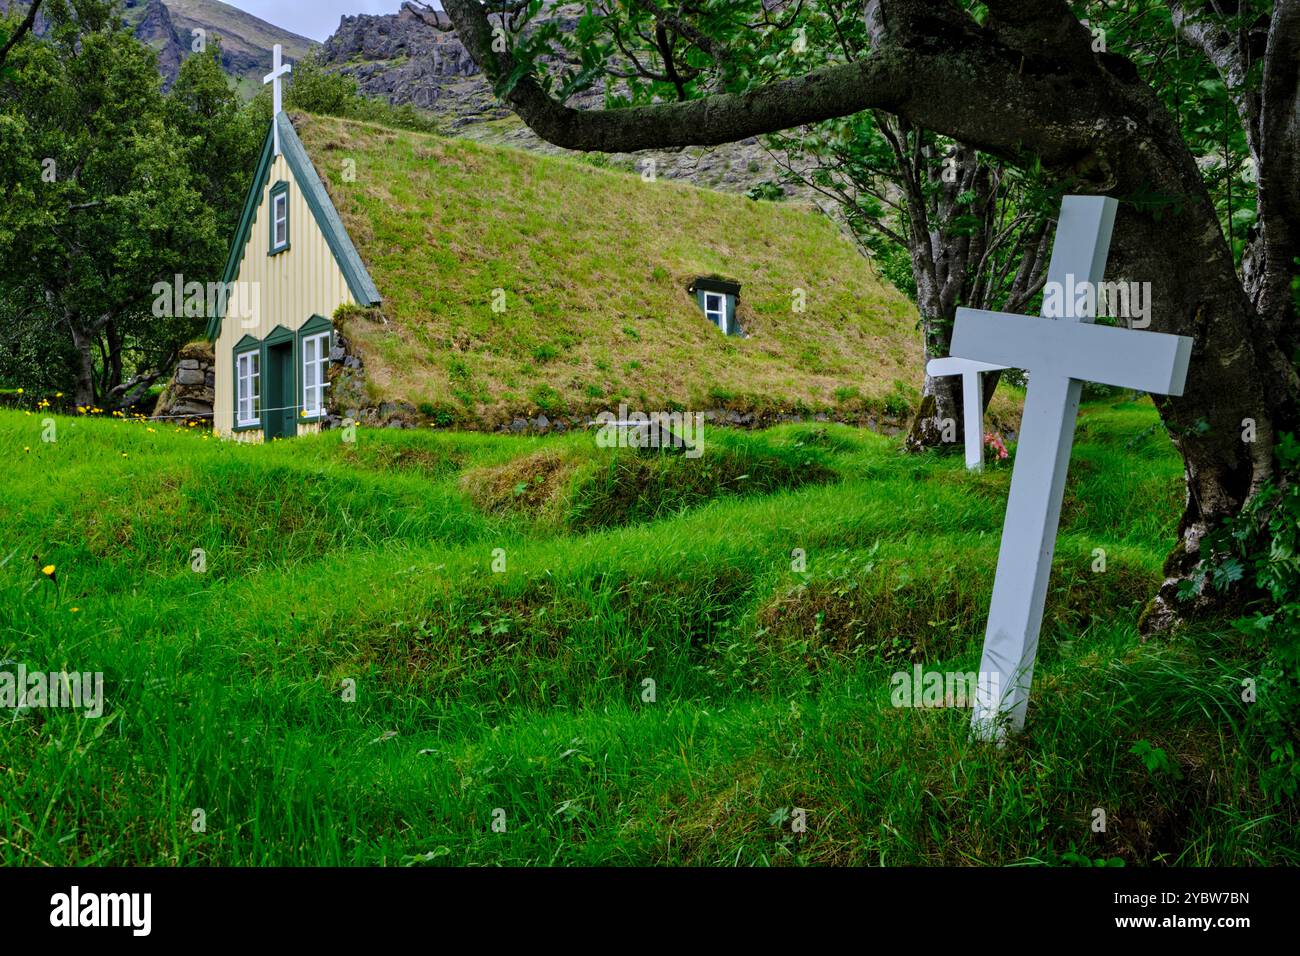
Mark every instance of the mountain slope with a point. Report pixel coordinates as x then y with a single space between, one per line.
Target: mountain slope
168 27
414 57
592 266
246 40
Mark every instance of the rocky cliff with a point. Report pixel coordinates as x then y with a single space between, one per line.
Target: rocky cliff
414 57
156 29
168 26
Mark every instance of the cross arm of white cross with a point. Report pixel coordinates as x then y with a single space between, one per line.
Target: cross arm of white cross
972 389
960 366
278 69
1123 358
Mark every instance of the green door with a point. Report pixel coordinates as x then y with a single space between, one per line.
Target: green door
281 405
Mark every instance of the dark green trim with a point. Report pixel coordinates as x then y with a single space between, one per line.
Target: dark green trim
278 335
360 284
282 336
279 189
251 203
316 325
714 284
243 346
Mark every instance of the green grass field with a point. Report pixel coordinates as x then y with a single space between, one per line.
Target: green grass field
521 697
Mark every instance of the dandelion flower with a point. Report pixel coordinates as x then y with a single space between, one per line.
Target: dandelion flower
48 570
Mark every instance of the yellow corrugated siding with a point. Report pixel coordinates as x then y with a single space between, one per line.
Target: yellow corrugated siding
289 288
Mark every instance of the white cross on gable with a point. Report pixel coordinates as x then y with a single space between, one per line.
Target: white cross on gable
1059 356
278 69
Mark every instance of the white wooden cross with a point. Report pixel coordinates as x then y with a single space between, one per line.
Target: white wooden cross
972 400
278 69
1059 357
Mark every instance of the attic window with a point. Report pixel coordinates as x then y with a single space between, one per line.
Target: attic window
715 309
717 299
279 217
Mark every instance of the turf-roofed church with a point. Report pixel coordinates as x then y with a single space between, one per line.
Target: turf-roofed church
524 292
294 258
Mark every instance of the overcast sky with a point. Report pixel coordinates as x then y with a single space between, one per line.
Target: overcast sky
317 19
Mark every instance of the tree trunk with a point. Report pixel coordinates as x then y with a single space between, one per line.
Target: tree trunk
85 367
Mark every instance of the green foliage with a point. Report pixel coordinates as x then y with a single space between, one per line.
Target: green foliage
772 192
1264 543
221 138
1195 96
35 355
317 90
111 188
1156 760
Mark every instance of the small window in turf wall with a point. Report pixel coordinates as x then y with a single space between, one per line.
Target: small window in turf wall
717 298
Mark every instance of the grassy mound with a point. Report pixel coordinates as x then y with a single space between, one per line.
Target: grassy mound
636 665
573 484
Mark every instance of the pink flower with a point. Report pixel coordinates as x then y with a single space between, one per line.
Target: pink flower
993 441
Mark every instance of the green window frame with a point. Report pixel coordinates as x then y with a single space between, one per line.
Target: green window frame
280 191
247 355
319 332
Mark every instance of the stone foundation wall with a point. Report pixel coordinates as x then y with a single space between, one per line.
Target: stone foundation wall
349 399
192 389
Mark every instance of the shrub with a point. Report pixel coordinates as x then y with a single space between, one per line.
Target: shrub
1262 547
767 189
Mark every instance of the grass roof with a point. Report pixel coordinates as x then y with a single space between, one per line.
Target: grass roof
592 266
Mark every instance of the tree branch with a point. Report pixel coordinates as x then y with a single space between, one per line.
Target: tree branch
880 81
24 28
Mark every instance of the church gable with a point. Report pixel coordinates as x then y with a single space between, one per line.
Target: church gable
288 205
291 266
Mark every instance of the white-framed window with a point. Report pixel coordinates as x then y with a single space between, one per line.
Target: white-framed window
279 217
249 381
715 309
315 362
